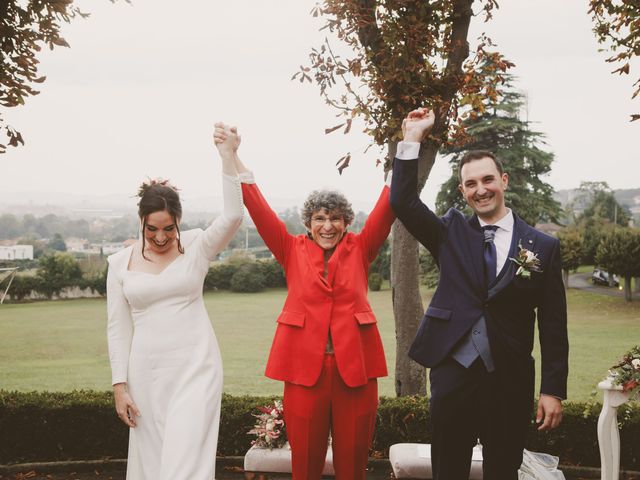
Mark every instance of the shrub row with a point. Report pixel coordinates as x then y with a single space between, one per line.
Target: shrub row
241 274
238 274
25 287
82 425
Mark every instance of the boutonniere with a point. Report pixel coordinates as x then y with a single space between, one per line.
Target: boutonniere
527 262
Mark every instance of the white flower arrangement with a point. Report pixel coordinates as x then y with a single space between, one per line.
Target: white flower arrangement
527 262
269 428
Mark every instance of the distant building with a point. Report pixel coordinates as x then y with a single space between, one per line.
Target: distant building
16 252
77 245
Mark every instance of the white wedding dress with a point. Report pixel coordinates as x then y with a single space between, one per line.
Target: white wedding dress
162 344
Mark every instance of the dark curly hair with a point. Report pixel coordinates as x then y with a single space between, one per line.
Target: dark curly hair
157 196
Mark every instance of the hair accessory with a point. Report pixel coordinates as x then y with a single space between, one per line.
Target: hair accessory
146 185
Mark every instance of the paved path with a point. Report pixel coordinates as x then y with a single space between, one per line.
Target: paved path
582 281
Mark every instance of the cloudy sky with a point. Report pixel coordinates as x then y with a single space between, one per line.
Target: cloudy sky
139 90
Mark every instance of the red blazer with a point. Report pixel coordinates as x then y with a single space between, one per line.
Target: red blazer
315 304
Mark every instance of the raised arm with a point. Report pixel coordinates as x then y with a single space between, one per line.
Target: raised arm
217 236
421 222
376 228
270 227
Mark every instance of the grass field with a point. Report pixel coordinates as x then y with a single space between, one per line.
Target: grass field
61 345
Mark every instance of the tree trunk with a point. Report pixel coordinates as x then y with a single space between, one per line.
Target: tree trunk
565 278
407 303
627 288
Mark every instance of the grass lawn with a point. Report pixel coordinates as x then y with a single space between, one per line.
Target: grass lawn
61 345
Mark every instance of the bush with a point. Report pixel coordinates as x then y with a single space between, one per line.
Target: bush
41 426
219 276
429 272
22 286
248 279
273 273
97 282
58 271
375 282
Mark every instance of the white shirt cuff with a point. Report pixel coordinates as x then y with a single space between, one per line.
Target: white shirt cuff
246 177
408 150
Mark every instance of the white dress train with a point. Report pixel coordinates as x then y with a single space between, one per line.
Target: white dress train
162 344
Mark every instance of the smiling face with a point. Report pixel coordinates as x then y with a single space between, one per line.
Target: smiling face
160 232
327 228
483 188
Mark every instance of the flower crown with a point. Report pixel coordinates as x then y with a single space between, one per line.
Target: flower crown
151 182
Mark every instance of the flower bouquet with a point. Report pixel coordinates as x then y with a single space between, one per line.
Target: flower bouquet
269 428
627 371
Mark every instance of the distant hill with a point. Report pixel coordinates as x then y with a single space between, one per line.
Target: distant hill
629 198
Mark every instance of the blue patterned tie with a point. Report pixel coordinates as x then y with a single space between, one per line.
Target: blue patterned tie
490 256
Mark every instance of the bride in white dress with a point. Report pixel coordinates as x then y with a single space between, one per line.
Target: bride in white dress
162 348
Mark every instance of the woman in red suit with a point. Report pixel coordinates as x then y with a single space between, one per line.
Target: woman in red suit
327 347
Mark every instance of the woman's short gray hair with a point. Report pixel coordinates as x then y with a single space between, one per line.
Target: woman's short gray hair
331 200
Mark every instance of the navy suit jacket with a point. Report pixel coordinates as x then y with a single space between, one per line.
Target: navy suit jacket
509 304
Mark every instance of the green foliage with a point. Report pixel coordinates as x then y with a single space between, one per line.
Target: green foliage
82 425
273 273
501 131
375 282
571 249
619 252
57 243
248 279
603 207
58 271
617 25
97 282
382 263
25 27
22 286
219 276
429 272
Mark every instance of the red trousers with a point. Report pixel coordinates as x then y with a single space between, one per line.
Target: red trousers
350 413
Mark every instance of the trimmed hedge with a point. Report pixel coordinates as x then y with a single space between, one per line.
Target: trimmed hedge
82 425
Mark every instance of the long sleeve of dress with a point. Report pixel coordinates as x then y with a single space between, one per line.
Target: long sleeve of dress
119 326
216 237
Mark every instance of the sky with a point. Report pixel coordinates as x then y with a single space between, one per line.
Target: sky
142 85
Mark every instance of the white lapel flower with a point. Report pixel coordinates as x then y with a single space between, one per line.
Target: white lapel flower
527 262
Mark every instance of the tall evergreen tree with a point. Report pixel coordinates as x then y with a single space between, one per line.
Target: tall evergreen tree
501 131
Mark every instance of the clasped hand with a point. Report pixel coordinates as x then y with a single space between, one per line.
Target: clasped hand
417 124
226 139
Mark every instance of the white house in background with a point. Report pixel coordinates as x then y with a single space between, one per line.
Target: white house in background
16 252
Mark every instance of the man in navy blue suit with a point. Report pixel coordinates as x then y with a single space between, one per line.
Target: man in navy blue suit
497 274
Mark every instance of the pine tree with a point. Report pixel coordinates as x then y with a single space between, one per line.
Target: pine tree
521 149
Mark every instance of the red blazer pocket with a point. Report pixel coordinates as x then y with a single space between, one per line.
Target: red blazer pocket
365 318
294 319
